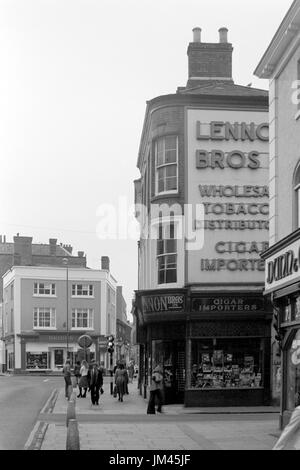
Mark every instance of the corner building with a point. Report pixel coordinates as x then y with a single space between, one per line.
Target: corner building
199 307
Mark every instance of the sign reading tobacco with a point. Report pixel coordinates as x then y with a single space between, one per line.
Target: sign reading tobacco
163 303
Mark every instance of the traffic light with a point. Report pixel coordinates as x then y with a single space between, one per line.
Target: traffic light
110 344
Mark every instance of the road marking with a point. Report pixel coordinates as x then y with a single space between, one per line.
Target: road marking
51 401
35 440
46 380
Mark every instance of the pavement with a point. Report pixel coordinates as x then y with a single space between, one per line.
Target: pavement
115 425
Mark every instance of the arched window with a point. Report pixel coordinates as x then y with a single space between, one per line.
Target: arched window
297 197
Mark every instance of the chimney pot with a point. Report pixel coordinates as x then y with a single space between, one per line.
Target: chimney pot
223 35
197 34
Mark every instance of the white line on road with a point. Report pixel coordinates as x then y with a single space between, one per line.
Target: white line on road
46 380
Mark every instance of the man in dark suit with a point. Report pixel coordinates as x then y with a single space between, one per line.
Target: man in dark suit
95 380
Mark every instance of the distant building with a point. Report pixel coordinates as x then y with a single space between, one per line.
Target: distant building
22 252
123 329
47 308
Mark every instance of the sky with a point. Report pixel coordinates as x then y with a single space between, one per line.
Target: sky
75 78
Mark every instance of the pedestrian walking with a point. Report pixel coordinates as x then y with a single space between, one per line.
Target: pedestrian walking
67 377
156 391
131 372
95 381
121 378
83 381
290 437
77 373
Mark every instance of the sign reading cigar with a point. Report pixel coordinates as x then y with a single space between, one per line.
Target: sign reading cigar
226 305
163 303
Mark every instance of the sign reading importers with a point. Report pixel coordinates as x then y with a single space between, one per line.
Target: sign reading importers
227 304
163 303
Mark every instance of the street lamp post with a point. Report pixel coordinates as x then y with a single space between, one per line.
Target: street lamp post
65 262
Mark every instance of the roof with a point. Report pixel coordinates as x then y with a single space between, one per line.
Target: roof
223 89
37 249
288 31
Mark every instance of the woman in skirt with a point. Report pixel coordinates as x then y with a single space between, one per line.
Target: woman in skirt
83 381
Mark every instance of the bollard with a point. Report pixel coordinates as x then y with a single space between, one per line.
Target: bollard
73 442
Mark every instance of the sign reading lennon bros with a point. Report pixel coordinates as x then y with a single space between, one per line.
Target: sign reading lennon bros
228 175
227 304
163 303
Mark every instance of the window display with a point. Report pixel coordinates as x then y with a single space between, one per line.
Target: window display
37 360
219 363
293 374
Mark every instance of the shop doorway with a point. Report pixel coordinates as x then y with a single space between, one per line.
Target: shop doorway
57 359
171 356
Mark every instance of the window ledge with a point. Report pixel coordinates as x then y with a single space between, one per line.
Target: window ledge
82 328
83 297
45 295
297 115
53 328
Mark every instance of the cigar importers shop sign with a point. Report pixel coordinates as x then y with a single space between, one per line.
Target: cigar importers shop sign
227 169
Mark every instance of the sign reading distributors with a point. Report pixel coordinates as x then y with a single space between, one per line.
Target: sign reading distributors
233 208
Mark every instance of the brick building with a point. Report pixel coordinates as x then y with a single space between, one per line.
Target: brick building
199 307
123 329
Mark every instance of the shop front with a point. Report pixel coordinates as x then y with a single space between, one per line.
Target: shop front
283 288
48 352
215 352
228 350
161 331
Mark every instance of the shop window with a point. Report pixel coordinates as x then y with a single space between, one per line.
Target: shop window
293 373
44 318
220 363
166 163
37 360
167 254
83 318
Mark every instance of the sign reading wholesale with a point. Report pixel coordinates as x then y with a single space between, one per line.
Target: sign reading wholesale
227 168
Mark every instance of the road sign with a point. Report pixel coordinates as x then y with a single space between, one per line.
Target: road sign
85 341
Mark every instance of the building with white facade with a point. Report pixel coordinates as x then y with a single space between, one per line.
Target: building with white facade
46 309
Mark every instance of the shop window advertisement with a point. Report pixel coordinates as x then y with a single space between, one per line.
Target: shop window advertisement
219 368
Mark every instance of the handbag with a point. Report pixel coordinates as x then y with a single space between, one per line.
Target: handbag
101 390
115 391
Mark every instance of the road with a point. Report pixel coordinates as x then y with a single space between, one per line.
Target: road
21 400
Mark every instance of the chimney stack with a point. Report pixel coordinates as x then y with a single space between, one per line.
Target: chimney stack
223 35
52 243
209 62
105 263
197 34
23 250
